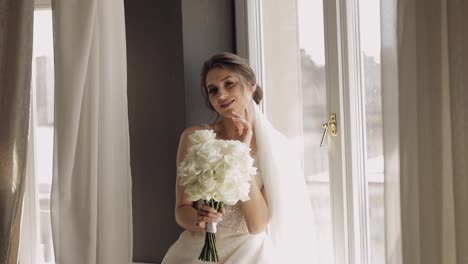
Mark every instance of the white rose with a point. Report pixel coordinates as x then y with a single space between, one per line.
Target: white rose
244 189
202 136
186 169
219 170
232 162
194 192
252 171
229 193
209 152
208 182
235 147
216 169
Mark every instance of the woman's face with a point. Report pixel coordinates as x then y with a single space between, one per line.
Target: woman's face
227 92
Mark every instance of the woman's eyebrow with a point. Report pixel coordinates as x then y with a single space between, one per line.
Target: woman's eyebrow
210 85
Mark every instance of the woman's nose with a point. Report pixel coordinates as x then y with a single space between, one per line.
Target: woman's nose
222 93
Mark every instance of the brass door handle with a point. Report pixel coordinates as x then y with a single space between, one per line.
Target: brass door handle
329 125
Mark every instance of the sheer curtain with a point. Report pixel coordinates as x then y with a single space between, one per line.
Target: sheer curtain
425 64
16 32
91 190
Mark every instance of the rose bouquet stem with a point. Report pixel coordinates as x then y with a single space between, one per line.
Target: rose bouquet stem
209 251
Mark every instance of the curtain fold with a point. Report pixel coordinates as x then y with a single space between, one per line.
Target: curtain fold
457 38
91 189
425 64
391 131
16 32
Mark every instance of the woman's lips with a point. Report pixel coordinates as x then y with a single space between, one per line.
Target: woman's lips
227 104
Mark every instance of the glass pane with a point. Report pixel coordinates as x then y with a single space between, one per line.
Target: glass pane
43 89
311 42
369 13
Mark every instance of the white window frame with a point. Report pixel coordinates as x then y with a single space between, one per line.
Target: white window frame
347 155
354 130
249 38
29 235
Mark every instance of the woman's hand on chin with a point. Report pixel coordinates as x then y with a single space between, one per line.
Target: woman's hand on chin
244 126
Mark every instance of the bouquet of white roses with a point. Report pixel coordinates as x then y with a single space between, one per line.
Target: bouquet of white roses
218 172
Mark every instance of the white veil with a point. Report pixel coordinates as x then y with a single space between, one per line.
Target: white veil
290 231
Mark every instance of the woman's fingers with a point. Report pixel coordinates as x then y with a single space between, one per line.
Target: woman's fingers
209 219
209 211
238 125
247 115
201 224
240 118
209 214
219 215
242 124
208 208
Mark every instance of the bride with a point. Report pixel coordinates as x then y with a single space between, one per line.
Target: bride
264 228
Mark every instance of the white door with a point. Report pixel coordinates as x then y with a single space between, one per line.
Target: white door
352 69
330 51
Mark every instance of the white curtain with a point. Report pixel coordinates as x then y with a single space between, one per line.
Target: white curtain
91 190
424 75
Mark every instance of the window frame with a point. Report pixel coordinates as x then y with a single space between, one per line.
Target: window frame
249 38
355 134
347 151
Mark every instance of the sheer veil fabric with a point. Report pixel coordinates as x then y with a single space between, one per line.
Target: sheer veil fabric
290 232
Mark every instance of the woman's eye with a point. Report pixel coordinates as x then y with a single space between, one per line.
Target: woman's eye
229 84
212 90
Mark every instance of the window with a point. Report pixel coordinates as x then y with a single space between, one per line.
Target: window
38 246
369 21
315 112
325 57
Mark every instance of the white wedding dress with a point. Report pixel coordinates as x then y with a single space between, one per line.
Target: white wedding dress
288 238
233 241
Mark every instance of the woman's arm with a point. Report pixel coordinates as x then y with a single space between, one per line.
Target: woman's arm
255 210
185 214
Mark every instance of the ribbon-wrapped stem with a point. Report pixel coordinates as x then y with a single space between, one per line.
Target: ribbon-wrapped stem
209 251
